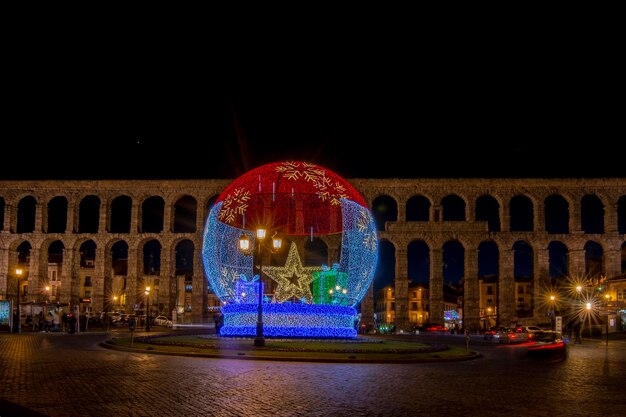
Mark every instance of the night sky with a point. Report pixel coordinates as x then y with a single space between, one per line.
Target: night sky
355 135
495 108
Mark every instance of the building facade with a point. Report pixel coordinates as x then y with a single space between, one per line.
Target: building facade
385 305
98 244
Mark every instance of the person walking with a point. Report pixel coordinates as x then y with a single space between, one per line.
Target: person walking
55 321
36 323
218 322
71 323
578 331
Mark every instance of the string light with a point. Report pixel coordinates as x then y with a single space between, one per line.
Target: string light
311 301
290 320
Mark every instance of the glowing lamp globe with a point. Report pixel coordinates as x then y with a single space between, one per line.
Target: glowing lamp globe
298 202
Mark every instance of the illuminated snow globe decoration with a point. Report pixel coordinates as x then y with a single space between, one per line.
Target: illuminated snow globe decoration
296 202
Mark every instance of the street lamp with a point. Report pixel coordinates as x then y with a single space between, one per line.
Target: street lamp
147 309
552 307
18 273
489 310
244 245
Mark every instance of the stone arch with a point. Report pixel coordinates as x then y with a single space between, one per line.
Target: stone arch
26 209
453 265
152 257
621 215
89 214
121 214
53 274
19 286
184 258
118 251
488 259
523 260
489 282
115 275
522 214
386 266
152 214
185 214
556 214
557 260
418 258
594 259
184 271
23 249
384 209
57 215
523 271
87 253
453 208
418 209
488 209
591 214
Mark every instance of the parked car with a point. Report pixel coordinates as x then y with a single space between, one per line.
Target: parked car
162 321
548 344
496 334
519 334
532 329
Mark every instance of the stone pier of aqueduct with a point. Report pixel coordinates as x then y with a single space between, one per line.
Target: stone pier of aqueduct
432 211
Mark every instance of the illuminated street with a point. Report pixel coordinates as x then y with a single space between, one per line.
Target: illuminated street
71 375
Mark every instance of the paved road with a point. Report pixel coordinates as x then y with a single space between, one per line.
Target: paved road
71 375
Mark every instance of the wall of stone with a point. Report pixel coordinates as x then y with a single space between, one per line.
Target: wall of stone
400 233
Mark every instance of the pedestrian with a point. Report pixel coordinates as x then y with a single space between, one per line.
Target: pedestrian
578 331
217 318
64 322
36 323
71 323
42 322
55 321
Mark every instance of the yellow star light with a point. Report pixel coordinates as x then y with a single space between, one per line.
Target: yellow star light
293 279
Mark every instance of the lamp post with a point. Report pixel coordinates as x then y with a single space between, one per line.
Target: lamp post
607 298
147 309
18 273
552 308
244 245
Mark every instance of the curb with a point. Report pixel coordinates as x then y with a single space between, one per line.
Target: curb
470 356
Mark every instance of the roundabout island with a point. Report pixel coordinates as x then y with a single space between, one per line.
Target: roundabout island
362 349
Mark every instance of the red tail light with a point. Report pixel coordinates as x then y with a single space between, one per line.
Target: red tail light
558 345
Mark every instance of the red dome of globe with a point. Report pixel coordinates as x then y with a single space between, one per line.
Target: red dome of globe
295 198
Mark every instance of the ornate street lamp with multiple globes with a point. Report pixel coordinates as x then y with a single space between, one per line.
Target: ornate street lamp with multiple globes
244 246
